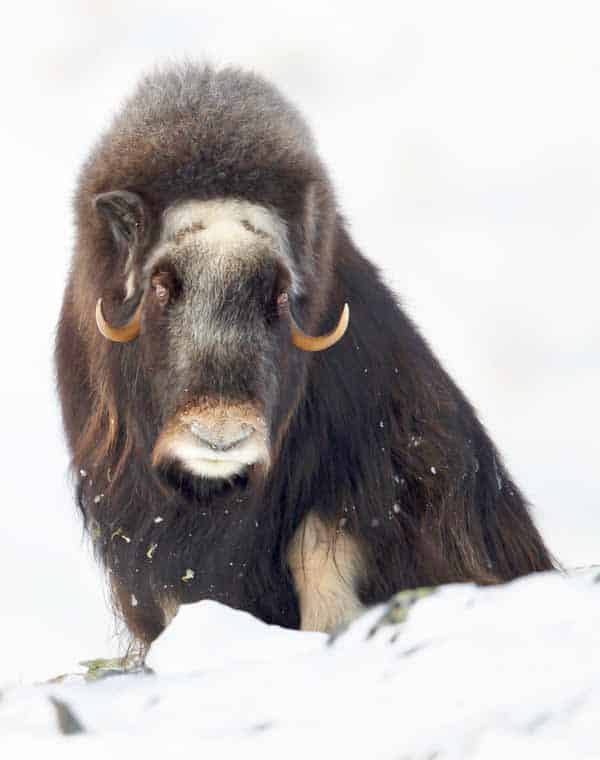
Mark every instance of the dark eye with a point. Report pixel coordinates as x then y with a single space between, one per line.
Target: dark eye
162 287
282 302
277 283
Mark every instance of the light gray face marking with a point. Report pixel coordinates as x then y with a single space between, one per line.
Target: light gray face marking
225 226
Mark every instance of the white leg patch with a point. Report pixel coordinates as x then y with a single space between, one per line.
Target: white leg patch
326 567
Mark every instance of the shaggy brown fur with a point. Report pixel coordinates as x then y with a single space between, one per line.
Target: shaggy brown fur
371 436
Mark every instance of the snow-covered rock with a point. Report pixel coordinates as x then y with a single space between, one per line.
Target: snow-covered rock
463 672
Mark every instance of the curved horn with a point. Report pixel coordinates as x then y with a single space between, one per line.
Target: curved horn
319 343
123 334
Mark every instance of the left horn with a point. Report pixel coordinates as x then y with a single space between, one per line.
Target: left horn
124 334
319 343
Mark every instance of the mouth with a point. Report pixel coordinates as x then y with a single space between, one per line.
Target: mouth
215 461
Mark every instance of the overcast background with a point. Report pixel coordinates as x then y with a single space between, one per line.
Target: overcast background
464 141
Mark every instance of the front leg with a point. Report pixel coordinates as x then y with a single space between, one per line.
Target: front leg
326 566
145 616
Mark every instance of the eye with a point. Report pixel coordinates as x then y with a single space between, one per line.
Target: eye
282 302
162 287
277 282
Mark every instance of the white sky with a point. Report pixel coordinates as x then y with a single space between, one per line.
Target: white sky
464 141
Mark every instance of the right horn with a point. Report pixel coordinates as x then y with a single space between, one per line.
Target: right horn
124 334
320 342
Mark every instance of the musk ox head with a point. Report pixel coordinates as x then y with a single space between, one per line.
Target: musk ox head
200 239
213 320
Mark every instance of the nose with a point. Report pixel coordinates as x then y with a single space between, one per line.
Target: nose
214 439
222 437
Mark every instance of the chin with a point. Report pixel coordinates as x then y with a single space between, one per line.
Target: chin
201 481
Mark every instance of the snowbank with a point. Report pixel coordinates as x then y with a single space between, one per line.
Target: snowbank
464 672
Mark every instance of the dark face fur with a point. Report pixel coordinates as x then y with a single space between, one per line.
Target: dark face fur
214 289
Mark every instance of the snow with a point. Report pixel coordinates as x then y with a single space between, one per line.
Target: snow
470 673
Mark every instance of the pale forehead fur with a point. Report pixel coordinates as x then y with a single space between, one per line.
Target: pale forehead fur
225 226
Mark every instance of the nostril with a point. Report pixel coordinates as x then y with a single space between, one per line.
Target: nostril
219 439
211 444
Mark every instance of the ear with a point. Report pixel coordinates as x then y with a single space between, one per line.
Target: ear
126 214
129 221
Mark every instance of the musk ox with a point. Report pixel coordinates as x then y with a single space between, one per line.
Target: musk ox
220 451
